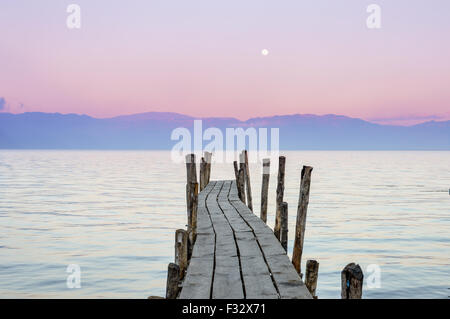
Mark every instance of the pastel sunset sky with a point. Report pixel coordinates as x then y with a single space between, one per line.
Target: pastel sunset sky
203 58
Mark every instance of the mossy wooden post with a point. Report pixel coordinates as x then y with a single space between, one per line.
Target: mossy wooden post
181 250
351 282
265 188
203 174
208 159
192 216
247 182
173 278
311 275
280 194
284 225
301 218
242 176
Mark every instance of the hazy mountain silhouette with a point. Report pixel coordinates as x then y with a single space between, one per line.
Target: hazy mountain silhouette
152 131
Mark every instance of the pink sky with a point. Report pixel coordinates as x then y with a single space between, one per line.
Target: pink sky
204 59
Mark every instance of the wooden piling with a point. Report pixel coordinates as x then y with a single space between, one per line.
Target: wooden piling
241 185
191 168
208 159
181 250
247 182
191 175
203 174
351 282
284 225
192 216
236 171
265 189
301 217
242 178
173 278
280 194
311 275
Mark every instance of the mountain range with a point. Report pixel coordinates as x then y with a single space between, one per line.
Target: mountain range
152 130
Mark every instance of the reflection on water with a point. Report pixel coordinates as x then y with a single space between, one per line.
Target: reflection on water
115 214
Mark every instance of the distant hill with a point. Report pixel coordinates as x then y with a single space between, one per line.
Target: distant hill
152 131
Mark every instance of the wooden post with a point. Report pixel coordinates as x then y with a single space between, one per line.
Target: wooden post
241 185
236 171
247 182
190 168
351 282
203 174
280 194
181 250
284 225
192 216
173 278
208 159
191 175
265 189
312 273
301 218
242 178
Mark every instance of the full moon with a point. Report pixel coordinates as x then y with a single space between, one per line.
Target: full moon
265 52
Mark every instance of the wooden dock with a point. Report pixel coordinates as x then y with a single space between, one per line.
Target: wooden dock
236 255
227 252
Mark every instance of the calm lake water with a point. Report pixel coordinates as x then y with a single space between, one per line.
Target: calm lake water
115 213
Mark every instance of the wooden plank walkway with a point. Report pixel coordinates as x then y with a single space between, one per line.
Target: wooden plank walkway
236 255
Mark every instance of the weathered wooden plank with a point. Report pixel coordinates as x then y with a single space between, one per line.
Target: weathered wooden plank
270 245
197 284
290 285
257 280
226 246
204 246
227 279
247 244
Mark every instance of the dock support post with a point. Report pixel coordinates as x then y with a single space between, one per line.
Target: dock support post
351 282
241 185
242 177
236 172
280 194
265 189
284 225
181 251
191 175
203 174
208 159
311 275
173 278
192 215
301 218
247 182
